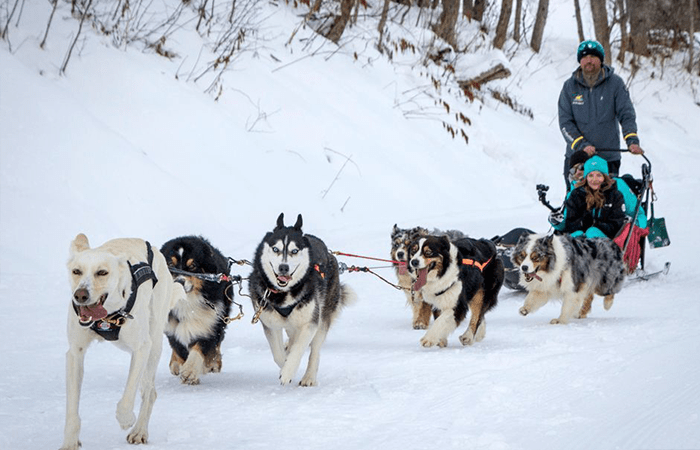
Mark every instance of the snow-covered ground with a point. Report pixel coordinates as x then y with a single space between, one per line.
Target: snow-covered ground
120 147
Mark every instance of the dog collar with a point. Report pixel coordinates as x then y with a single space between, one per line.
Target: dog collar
442 292
109 327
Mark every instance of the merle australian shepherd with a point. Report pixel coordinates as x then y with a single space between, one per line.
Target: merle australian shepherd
196 324
572 269
453 277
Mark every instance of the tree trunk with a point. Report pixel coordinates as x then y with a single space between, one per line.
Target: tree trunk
502 27
538 29
600 25
579 22
341 21
382 25
518 18
468 8
692 35
623 21
479 9
445 27
639 28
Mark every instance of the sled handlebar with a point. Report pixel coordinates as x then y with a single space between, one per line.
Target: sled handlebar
624 150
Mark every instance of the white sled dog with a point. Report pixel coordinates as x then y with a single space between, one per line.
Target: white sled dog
572 269
122 292
295 287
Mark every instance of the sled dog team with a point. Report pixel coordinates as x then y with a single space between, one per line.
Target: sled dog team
130 293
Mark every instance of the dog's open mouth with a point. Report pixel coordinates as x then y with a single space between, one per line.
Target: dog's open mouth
422 278
91 313
529 276
403 268
283 280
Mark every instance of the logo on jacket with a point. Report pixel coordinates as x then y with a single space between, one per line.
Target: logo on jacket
578 99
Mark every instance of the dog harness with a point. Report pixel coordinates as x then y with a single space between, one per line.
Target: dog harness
109 327
478 265
283 311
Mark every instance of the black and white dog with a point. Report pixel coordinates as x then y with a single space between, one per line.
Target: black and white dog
196 324
571 269
121 292
295 287
453 277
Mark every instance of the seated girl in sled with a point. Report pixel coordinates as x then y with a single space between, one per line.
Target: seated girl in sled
595 207
584 213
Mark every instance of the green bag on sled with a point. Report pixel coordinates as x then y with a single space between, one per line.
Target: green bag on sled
658 235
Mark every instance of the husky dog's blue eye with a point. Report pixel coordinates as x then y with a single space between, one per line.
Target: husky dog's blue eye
275 250
295 251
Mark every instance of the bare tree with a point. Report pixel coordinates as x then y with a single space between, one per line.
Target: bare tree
341 21
600 25
445 28
382 24
48 25
62 71
474 9
622 20
691 33
502 27
639 28
518 18
540 21
3 35
579 22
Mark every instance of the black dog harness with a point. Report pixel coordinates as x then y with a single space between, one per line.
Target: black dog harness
109 327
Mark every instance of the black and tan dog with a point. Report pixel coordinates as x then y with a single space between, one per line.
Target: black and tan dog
196 324
453 277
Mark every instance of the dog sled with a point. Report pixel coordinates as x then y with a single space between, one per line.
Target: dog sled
641 226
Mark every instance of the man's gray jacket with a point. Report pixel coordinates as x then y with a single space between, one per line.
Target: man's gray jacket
590 115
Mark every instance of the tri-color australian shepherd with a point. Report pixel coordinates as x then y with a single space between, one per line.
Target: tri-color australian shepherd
558 266
401 240
295 288
196 324
454 276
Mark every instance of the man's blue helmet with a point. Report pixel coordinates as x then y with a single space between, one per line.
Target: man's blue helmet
590 48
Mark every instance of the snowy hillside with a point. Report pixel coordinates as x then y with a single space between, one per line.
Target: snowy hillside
127 144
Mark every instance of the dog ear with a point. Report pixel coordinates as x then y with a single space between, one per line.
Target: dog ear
79 244
297 226
444 240
280 222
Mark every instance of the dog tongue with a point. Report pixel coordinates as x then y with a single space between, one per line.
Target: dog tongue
422 279
92 312
403 269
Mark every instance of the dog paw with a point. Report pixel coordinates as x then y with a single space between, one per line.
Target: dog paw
425 342
429 342
137 437
74 446
467 338
126 418
420 326
191 378
559 321
524 311
607 304
175 368
307 382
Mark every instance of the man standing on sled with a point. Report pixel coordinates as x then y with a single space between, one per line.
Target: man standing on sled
593 104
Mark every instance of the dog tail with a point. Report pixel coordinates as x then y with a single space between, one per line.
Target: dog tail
347 295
